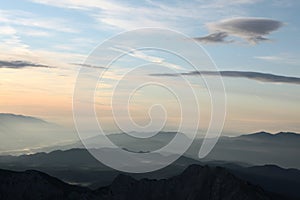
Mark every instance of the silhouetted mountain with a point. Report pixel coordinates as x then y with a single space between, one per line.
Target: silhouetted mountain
196 182
261 134
36 185
133 144
79 167
256 149
269 136
272 178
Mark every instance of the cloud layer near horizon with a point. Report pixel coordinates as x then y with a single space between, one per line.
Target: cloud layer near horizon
253 30
258 76
19 64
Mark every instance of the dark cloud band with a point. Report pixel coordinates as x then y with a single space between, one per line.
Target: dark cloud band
258 76
219 37
19 64
88 65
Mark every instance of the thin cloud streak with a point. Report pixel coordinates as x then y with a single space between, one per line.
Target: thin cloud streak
289 59
19 64
115 14
135 53
257 76
28 19
88 65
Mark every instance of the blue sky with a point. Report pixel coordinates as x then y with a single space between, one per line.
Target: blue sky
61 25
61 33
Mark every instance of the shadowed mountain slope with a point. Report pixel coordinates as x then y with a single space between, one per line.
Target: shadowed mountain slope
196 182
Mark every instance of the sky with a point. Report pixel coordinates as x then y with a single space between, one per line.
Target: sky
253 45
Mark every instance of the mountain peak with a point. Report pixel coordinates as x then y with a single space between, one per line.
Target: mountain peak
196 182
258 134
271 137
20 117
287 134
263 133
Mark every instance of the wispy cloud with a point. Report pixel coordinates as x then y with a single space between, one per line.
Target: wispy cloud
258 76
16 45
7 30
27 19
19 64
88 65
141 55
281 59
15 49
148 13
36 33
253 30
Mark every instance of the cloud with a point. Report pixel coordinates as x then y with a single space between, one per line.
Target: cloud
28 19
253 30
289 59
141 55
218 37
7 30
19 64
175 14
88 65
258 76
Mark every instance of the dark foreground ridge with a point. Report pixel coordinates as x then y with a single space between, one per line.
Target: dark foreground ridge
196 182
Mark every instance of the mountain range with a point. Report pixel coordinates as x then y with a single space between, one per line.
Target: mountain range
195 182
78 166
255 149
262 159
24 134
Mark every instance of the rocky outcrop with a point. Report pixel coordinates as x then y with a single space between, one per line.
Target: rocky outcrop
35 185
196 182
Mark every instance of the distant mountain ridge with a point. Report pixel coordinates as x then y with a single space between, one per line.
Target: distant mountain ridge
256 149
21 133
19 117
267 134
80 167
